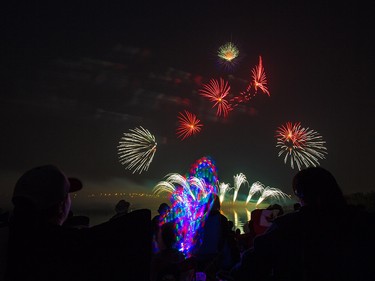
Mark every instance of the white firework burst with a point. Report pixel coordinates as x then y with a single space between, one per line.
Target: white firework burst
136 149
302 145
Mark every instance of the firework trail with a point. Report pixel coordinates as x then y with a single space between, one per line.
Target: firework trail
137 149
191 202
228 54
239 179
223 189
259 78
217 91
188 125
255 187
303 146
243 97
259 81
272 192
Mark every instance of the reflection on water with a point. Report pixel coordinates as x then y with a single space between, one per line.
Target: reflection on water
101 209
239 213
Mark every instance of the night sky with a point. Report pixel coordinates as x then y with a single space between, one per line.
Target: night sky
75 77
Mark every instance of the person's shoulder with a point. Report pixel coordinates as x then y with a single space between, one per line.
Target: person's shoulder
289 218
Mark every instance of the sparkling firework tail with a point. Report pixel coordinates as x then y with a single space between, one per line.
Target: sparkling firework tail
259 78
137 149
163 186
177 179
217 91
272 192
239 179
223 189
255 187
189 124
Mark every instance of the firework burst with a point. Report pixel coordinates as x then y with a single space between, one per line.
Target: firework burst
136 149
303 146
228 54
217 91
188 125
259 78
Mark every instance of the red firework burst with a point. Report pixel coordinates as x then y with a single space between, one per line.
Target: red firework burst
216 91
188 125
291 135
259 78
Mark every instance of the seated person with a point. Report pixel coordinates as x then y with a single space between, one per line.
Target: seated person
325 240
40 248
165 263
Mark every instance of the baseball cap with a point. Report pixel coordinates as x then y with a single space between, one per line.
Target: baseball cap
45 186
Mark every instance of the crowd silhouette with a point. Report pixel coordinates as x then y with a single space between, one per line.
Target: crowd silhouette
322 238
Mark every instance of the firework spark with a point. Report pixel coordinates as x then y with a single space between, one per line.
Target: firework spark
188 125
272 192
255 187
216 91
239 179
223 189
137 149
259 78
303 146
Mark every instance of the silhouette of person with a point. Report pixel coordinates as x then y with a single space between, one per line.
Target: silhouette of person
165 262
215 252
156 221
325 240
40 248
121 208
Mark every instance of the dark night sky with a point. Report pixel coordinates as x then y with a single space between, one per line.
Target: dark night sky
75 77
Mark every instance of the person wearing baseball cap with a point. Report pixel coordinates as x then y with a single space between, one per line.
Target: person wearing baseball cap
38 244
45 190
41 248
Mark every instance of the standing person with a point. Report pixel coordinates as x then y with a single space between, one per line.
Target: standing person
40 249
325 240
155 222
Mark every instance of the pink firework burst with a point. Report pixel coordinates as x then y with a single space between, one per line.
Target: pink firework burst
259 78
188 125
217 91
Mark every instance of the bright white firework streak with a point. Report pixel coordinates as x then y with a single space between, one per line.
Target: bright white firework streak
255 187
239 179
272 192
223 189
